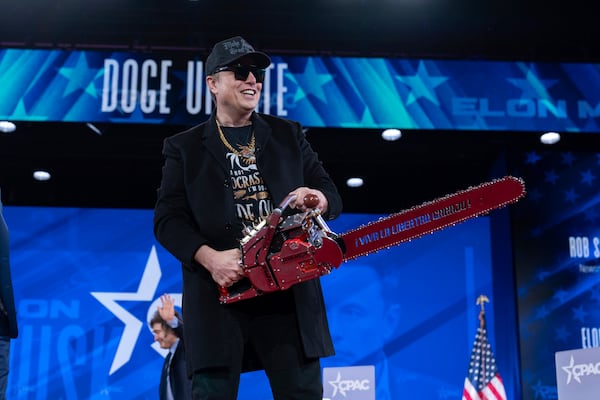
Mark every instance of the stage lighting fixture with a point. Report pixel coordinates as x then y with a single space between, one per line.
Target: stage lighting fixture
7 127
41 175
550 138
354 182
391 134
94 128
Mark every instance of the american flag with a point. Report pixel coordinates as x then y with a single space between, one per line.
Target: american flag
483 382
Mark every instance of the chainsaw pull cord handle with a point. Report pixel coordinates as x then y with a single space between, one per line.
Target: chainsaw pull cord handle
311 201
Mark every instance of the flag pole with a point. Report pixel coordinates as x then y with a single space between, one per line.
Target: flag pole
481 300
483 382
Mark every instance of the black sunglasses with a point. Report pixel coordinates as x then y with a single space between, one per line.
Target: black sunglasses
241 72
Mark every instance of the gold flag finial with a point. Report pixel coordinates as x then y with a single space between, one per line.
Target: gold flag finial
481 300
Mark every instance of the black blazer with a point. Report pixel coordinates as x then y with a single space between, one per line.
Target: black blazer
181 384
8 313
195 206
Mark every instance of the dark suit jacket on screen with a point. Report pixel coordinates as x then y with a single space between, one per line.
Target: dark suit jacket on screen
8 314
181 385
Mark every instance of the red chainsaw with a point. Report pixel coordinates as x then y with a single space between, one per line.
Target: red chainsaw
286 248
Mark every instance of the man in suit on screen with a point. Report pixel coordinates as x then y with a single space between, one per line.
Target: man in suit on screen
167 327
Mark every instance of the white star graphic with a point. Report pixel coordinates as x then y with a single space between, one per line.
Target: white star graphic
133 326
336 386
568 370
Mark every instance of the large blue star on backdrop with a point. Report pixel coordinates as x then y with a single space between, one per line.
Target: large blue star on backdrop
422 85
587 177
551 176
579 313
80 77
532 87
532 158
311 80
571 195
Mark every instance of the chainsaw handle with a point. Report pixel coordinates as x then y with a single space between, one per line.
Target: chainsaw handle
311 201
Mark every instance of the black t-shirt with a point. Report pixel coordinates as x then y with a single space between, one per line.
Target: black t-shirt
251 196
253 203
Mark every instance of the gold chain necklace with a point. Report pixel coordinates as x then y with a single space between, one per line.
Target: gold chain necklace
246 153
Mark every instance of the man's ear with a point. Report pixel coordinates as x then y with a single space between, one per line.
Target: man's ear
211 84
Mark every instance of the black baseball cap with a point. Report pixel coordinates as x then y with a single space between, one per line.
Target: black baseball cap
229 50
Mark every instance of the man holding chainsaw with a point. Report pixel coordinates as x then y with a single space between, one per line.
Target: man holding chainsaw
220 179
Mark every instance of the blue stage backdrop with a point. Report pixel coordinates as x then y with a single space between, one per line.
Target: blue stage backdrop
87 280
557 262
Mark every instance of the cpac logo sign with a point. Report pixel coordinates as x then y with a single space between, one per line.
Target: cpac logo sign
582 380
349 383
576 371
343 386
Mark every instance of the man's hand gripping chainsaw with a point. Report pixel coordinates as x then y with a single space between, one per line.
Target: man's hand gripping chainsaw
284 249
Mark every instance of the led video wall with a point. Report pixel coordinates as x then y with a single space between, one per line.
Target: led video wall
350 92
87 280
557 264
